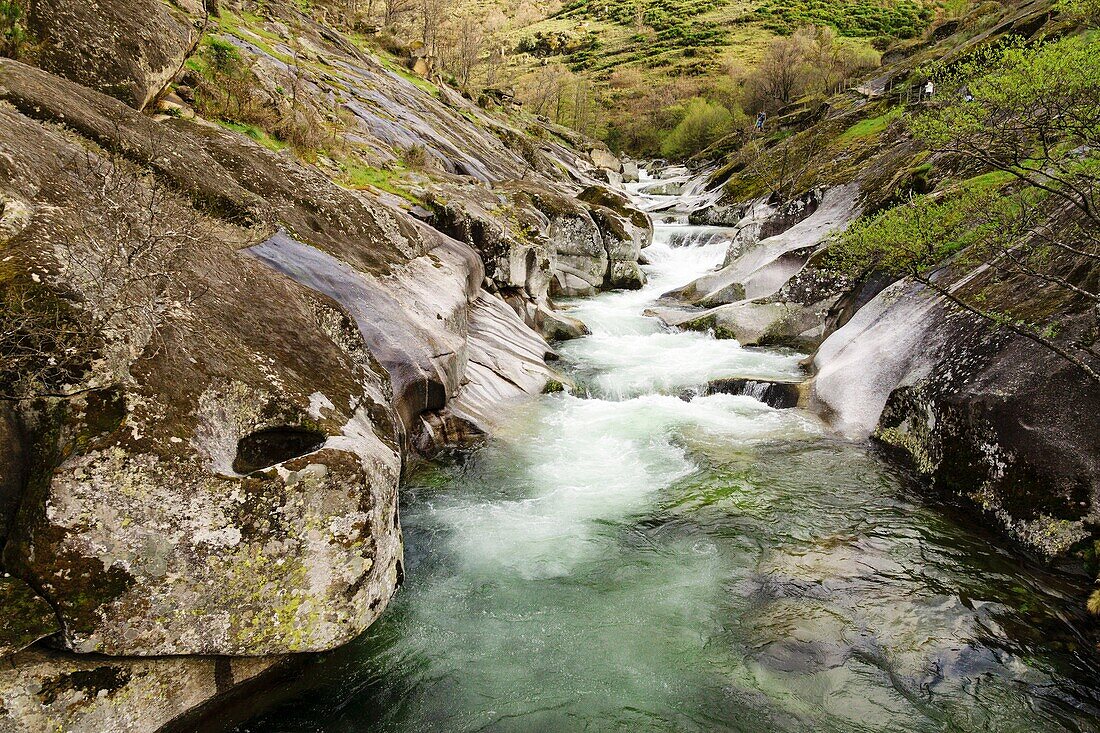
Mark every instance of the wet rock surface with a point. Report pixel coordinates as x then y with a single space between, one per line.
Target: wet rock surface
992 418
758 266
771 290
781 395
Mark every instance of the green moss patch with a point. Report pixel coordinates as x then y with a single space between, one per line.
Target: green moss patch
24 617
359 176
263 138
869 127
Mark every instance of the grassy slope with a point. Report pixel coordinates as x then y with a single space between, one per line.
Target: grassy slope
704 37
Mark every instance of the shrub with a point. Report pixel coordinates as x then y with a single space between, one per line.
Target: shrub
702 125
228 93
416 157
917 236
896 19
1083 11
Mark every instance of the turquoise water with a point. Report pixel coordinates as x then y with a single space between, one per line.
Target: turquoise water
633 557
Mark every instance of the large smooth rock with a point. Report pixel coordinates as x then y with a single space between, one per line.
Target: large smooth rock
889 342
509 235
413 320
753 323
761 268
640 224
129 49
227 484
536 241
993 418
585 238
507 364
603 158
778 394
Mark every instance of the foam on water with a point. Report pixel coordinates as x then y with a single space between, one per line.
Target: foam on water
630 354
574 465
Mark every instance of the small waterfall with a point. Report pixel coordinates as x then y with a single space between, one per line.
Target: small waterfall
699 236
778 394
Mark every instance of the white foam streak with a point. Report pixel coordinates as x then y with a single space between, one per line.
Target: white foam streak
584 463
579 464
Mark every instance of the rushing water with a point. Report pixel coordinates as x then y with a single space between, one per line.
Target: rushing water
633 557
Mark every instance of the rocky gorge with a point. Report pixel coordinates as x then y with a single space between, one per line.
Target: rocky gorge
229 357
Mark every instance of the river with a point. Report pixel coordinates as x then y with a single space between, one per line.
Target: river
634 556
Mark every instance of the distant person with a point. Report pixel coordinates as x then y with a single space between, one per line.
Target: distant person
967 95
761 119
929 89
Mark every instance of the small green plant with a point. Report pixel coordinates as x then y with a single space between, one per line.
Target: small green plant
416 157
15 39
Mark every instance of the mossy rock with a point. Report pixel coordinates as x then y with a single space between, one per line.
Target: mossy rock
620 204
553 386
25 617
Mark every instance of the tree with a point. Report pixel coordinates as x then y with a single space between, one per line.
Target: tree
1002 232
1035 115
780 71
394 11
827 61
812 60
431 25
465 41
118 273
226 91
1086 12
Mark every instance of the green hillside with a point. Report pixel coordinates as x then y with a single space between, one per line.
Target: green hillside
628 70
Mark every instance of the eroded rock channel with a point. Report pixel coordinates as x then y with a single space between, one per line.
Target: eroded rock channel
648 551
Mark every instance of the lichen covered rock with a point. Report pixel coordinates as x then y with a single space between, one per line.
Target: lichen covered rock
129 49
986 416
223 488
